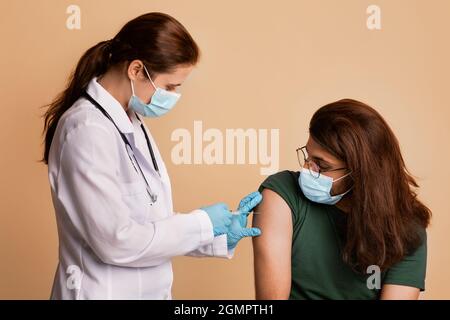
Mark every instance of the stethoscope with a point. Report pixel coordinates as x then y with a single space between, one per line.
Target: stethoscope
130 152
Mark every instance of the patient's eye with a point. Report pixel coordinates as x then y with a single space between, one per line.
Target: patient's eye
323 166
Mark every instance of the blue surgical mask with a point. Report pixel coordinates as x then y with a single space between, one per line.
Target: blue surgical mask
319 189
161 102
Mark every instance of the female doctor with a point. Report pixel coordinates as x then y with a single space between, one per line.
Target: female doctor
109 185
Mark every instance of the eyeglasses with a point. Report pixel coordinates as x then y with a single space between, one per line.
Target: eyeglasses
314 168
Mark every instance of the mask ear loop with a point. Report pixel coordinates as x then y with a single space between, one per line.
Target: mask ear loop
343 194
132 87
342 177
148 75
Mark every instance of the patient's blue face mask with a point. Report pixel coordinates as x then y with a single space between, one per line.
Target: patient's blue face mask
319 189
161 102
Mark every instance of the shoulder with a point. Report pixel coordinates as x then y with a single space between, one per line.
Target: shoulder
83 113
285 175
82 126
81 118
285 184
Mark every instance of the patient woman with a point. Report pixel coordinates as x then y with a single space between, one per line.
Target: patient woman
349 213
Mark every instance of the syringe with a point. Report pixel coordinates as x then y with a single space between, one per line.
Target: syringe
237 212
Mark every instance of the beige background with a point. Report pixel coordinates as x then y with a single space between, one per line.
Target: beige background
266 64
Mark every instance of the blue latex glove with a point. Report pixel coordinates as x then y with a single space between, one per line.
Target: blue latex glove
220 217
246 206
237 229
236 232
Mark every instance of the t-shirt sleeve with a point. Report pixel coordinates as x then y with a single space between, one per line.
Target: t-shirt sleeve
411 270
285 184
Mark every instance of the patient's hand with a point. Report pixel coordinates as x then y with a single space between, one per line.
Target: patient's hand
272 250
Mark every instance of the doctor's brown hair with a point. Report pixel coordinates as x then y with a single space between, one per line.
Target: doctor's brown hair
157 39
386 221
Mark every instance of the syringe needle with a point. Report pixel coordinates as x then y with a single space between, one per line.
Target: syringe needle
237 212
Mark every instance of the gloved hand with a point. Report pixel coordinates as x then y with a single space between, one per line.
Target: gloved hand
237 230
246 206
220 217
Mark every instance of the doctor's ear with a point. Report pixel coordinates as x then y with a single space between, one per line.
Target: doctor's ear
136 71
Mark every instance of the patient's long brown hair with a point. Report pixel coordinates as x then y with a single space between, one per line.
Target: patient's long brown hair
386 220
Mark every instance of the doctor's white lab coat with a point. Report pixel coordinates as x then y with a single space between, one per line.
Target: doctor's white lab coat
112 243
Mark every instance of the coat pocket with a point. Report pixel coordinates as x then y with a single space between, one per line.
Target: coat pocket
134 195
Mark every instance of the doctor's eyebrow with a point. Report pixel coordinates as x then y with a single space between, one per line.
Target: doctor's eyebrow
172 86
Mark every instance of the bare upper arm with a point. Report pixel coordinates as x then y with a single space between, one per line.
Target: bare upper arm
398 292
272 250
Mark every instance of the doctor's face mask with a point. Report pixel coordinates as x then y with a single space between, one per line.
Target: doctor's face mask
162 101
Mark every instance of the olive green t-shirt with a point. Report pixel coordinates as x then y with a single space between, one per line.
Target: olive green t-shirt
317 268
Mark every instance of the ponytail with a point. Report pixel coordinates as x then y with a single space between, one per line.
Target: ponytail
93 63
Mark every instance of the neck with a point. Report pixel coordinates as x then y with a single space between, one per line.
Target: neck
115 84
